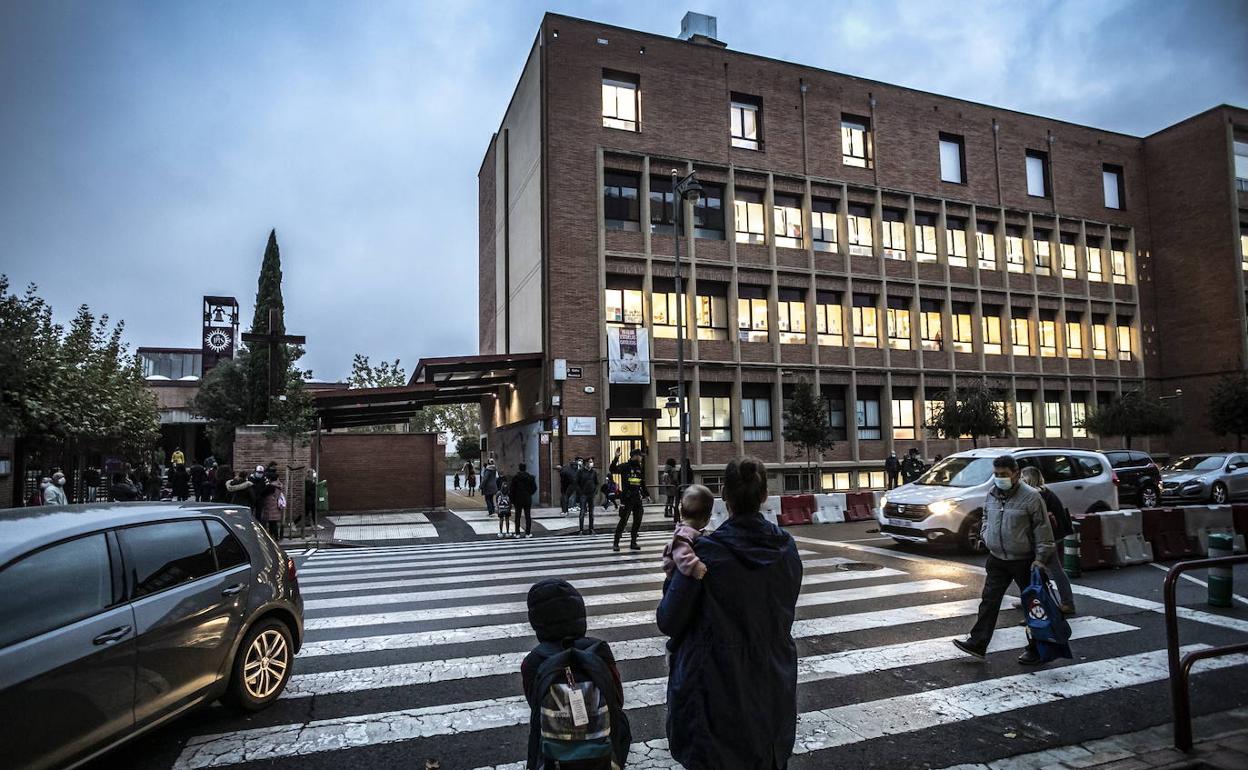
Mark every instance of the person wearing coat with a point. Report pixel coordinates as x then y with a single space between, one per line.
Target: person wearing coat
587 493
180 482
238 490
732 682
271 505
489 485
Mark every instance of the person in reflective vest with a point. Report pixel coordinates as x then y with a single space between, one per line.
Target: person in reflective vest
632 491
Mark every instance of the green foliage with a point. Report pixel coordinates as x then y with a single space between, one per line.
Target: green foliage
1228 408
1132 415
293 416
972 410
458 421
382 375
468 448
268 295
806 423
222 400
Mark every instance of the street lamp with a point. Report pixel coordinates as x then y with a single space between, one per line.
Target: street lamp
686 189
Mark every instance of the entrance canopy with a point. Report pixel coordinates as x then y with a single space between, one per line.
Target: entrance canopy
450 380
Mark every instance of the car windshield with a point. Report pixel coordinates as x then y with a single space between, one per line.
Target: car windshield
958 472
1197 463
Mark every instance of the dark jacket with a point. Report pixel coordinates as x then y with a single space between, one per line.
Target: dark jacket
198 475
587 481
523 487
567 477
633 480
180 482
489 480
732 684
892 464
1059 517
258 484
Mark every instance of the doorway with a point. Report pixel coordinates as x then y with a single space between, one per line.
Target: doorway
626 435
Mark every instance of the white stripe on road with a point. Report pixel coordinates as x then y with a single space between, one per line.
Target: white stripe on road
475 545
816 730
418 564
607 558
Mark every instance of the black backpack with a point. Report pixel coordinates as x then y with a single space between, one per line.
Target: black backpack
577 720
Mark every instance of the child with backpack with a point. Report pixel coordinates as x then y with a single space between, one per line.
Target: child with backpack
610 494
502 506
572 686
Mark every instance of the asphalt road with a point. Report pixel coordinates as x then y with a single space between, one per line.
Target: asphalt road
412 652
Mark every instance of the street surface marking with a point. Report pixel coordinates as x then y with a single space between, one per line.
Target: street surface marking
442 560
1193 579
472 547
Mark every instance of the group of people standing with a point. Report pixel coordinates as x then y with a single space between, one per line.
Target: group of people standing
906 469
581 485
506 494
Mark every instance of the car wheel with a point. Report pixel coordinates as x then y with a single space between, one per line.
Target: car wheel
968 537
261 666
1150 497
1219 495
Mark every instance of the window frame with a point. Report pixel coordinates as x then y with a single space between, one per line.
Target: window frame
1052 409
956 144
130 561
859 235
925 248
828 315
751 428
619 81
623 305
856 130
955 242
1118 261
739 106
1038 159
926 317
791 317
962 320
1022 348
986 245
754 213
898 324
1042 254
1074 338
865 430
893 234
1015 255
115 588
706 214
716 326
613 179
1048 325
754 302
990 328
713 428
1024 429
1113 172
904 423
863 316
819 219
783 216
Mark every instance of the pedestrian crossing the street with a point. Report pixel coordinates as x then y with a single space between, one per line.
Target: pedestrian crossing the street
414 652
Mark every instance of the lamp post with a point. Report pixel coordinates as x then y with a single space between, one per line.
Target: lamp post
683 189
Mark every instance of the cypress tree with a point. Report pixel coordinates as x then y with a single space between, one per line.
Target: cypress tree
268 295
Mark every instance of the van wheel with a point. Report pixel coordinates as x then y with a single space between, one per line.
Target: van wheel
968 537
1149 497
1219 495
261 667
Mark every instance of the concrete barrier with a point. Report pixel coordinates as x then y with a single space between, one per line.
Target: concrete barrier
1201 520
771 509
797 509
830 508
859 506
1166 530
1122 533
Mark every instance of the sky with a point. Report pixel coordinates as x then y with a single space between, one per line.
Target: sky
147 148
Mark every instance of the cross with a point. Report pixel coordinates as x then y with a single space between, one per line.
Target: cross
271 339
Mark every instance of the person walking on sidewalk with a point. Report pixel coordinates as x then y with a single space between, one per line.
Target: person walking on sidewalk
1059 520
586 492
567 484
470 477
632 492
489 485
1015 529
523 487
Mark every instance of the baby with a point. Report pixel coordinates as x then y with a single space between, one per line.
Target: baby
695 505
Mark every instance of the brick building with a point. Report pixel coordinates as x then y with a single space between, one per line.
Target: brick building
881 242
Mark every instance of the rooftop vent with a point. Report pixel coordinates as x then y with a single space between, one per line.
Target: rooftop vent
701 29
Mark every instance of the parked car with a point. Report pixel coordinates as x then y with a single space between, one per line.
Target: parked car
1139 478
1219 477
945 504
119 617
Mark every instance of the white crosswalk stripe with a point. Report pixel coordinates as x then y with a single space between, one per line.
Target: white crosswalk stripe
368 647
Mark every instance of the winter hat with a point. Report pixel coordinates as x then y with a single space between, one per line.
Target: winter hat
259 469
556 610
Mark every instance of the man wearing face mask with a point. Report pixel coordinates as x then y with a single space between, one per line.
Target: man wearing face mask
1015 530
54 494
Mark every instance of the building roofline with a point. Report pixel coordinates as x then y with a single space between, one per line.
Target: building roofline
1197 116
537 41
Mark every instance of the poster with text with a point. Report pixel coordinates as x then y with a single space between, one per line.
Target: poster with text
628 354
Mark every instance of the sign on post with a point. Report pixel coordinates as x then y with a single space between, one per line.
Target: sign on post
561 368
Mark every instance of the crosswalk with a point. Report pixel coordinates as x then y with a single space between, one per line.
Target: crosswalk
414 651
392 526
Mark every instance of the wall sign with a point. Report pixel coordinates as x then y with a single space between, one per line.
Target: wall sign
582 426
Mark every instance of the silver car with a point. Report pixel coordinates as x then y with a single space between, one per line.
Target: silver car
1219 477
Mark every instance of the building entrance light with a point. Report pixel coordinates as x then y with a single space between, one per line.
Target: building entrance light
672 406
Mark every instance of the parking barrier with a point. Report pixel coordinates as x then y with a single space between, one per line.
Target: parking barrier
1221 579
797 509
1202 520
830 508
1071 556
1166 531
858 506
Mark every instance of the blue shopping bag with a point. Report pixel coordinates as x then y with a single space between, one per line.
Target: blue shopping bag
1045 624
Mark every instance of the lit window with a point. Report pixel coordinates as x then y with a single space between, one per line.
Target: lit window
708 213
1070 265
663 314
823 224
620 207
929 325
667 426
893 234
1038 184
620 99
748 207
952 163
963 340
1096 265
1052 419
1124 340
1048 336
662 205
866 331
992 331
756 419
903 419
856 141
870 479
624 306
1100 339
787 213
715 418
1111 180
1078 413
712 316
868 414
955 241
859 222
1020 335
924 238
931 400
1042 250
837 481
746 117
1118 260
792 317
986 243
1074 337
1024 419
829 323
1015 260
898 323
752 313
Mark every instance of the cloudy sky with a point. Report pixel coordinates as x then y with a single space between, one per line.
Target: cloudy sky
146 148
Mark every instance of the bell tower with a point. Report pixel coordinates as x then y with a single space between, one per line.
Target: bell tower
220 332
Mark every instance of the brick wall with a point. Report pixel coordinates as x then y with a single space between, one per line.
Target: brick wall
487 341
383 471
252 447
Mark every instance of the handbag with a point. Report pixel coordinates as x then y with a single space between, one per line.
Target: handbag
1046 626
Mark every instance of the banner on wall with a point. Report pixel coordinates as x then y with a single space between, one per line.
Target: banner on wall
628 355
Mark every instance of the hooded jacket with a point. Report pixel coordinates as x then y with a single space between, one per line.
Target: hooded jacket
489 480
732 685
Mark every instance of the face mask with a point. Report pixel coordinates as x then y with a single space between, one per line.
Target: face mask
60 482
1003 484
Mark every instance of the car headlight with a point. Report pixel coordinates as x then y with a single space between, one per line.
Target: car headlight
941 507
883 501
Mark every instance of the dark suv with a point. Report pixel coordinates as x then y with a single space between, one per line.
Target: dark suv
118 617
1138 477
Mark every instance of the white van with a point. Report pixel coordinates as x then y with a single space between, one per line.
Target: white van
945 504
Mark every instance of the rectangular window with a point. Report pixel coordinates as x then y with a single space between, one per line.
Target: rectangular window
992 330
1053 419
1111 180
952 162
856 141
1078 413
667 426
752 313
787 213
746 113
1241 165
708 213
898 322
620 206
925 238
663 313
1096 264
931 400
1043 254
859 222
1124 339
1070 265
624 306
1025 419
986 243
1074 336
756 419
823 224
662 205
620 100
955 241
1118 260
836 414
829 319
161 556
929 325
870 479
1243 245
1048 335
837 481
893 233
1015 260
1020 334
711 314
792 317
868 419
1038 185
715 418
963 339
866 329
1100 338
748 208
903 419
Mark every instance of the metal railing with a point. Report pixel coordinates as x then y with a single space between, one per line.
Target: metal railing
1181 668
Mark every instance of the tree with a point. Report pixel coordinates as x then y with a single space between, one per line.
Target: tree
268 296
383 375
468 448
806 424
457 421
971 410
1228 408
223 400
1132 415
